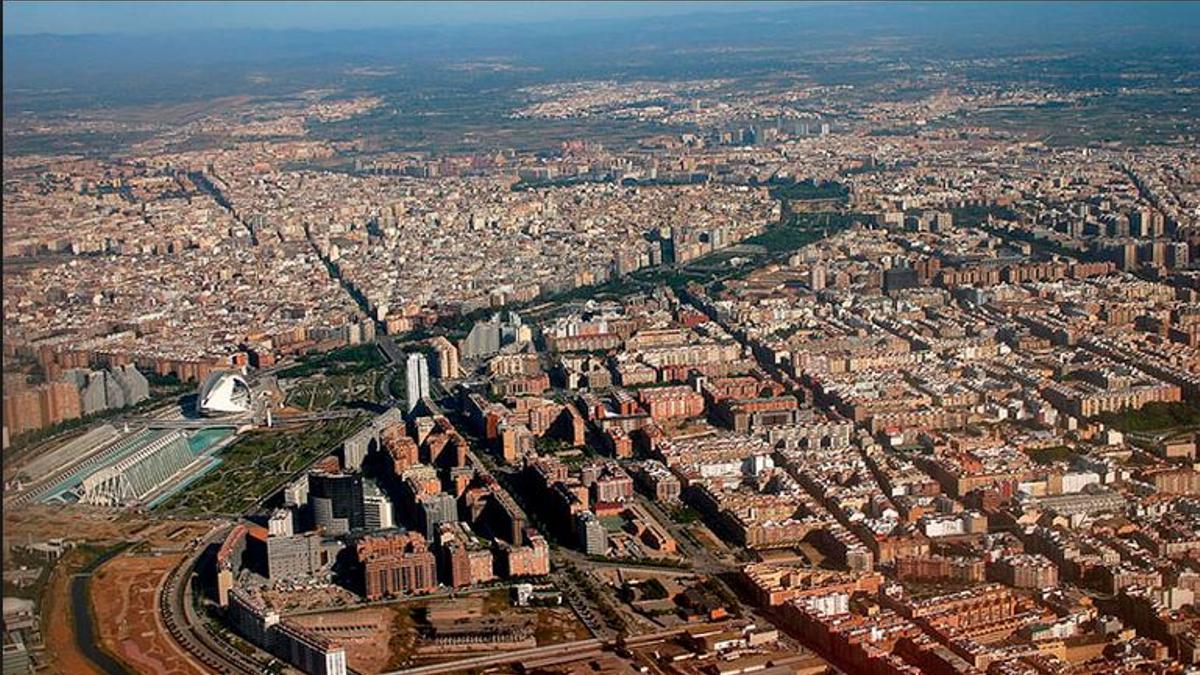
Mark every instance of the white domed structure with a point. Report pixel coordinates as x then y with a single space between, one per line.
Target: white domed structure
223 393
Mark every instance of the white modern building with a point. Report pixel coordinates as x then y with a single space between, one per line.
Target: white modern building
223 393
417 374
378 512
130 480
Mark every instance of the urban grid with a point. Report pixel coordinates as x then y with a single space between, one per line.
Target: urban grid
681 339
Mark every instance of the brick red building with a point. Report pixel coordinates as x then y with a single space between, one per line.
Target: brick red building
396 564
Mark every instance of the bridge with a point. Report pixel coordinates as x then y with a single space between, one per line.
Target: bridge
238 421
191 423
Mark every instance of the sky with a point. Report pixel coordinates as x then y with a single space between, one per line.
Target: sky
25 17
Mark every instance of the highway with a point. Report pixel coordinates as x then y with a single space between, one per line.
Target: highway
395 355
178 614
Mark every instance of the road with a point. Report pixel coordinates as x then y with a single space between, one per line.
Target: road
586 610
391 350
178 614
387 344
565 650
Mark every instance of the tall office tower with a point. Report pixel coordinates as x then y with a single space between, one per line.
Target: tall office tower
417 373
337 501
593 540
378 512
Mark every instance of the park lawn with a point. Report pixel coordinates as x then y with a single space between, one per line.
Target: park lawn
800 230
345 361
324 393
809 191
1155 416
258 464
1057 453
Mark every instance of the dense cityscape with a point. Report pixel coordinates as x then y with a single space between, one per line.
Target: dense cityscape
655 344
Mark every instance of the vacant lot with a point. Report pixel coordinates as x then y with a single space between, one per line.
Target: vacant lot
123 596
552 626
365 633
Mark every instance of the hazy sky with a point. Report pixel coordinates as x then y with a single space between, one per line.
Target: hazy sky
26 17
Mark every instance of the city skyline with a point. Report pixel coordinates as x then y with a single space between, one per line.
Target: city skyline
674 338
65 18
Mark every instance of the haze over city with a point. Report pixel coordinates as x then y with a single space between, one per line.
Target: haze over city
615 337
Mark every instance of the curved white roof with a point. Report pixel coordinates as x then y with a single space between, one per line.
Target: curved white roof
223 393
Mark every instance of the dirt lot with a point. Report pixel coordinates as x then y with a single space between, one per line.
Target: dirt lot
553 625
364 632
123 594
43 521
122 591
290 602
